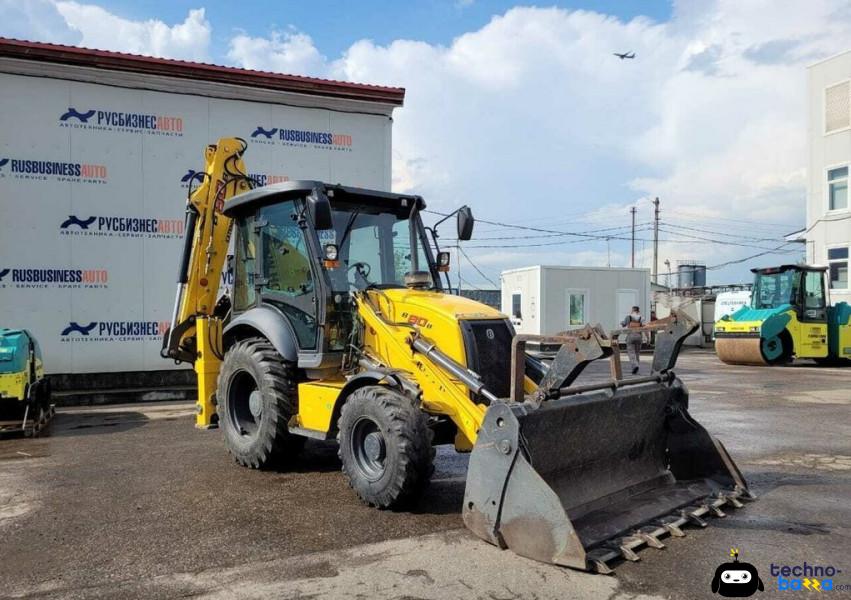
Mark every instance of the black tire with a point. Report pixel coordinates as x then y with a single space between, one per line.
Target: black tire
385 446
257 436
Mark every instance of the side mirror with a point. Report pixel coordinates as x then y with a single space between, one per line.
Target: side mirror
465 223
319 211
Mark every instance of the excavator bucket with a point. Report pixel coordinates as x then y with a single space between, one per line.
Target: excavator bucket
581 476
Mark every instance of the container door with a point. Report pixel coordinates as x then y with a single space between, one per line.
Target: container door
626 299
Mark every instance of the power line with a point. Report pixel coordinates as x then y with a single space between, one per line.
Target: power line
696 217
478 270
734 235
741 260
714 241
471 284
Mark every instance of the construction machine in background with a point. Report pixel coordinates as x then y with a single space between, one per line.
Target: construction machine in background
24 390
339 327
789 317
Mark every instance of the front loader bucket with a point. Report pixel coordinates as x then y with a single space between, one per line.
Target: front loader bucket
588 477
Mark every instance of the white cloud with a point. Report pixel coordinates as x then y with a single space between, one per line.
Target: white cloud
284 52
530 119
35 20
101 29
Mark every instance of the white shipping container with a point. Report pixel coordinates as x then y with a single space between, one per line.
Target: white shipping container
96 155
545 300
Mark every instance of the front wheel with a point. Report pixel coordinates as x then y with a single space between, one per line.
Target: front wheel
385 446
256 397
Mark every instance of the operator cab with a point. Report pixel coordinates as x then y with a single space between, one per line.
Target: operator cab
303 247
801 286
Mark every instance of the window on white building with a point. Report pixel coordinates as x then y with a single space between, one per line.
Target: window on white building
837 188
516 301
576 304
837 262
837 107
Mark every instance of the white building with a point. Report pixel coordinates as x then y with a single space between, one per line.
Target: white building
97 152
828 232
545 300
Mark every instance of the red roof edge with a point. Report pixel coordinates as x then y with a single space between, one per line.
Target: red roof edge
181 69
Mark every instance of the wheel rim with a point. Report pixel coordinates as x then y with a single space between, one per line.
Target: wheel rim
369 448
245 404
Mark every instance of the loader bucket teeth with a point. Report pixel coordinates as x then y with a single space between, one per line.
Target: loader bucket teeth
592 477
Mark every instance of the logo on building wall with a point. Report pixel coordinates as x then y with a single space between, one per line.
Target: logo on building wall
113 331
121 227
302 138
55 278
122 122
52 170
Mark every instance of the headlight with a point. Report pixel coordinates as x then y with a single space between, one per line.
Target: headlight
755 329
443 262
720 329
331 253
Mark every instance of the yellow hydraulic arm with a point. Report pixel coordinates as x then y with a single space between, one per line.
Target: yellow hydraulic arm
195 334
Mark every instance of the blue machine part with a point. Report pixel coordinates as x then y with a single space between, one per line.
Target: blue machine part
14 350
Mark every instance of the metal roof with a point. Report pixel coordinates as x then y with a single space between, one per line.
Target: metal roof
181 69
279 192
769 270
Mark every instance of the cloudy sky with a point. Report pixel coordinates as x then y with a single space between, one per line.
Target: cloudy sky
524 113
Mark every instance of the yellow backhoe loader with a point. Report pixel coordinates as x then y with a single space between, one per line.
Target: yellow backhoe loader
339 326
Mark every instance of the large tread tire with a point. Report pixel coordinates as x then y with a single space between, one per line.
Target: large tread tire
254 362
408 451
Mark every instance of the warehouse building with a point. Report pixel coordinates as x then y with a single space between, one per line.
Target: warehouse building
97 151
828 231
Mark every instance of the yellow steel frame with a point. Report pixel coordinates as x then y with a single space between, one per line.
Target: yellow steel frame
224 177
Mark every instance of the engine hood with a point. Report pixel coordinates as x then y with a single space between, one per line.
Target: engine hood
436 304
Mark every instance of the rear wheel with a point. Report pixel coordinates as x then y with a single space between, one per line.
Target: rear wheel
256 397
385 446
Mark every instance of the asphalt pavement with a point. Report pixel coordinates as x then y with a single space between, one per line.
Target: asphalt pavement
131 501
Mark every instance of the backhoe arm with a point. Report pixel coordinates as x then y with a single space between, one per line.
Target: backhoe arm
195 332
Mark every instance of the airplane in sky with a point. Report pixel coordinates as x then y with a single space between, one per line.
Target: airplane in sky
625 55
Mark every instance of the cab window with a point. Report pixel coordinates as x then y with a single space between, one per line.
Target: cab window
814 290
287 274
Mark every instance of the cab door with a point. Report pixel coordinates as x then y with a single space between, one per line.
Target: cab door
812 317
287 279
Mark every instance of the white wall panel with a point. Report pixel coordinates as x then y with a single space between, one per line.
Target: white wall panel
118 283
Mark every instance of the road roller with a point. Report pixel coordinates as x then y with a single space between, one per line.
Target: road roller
789 317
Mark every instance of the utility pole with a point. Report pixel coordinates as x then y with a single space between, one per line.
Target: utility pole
655 277
632 210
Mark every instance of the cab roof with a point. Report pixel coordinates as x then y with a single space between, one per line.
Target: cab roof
337 194
769 270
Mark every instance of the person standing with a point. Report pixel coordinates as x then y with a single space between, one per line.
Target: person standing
635 321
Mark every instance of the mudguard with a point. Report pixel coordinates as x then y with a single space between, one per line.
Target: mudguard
267 322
